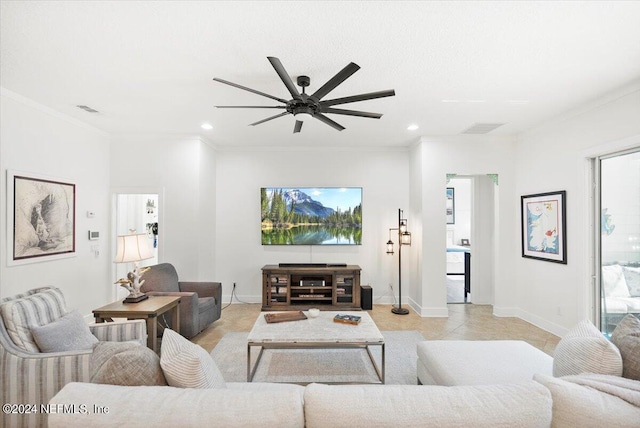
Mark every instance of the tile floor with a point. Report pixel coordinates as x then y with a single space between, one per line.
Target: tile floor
465 322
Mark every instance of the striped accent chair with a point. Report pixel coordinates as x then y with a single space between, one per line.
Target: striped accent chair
29 377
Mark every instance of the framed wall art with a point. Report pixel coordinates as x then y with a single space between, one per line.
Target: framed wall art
544 235
451 206
41 218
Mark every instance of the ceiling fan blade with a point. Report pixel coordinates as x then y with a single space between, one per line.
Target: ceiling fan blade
336 80
361 97
251 106
269 118
284 76
298 126
235 85
352 113
331 123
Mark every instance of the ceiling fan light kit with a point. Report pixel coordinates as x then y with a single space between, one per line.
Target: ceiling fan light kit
304 106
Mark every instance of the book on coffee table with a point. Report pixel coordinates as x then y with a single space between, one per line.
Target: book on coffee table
284 316
347 319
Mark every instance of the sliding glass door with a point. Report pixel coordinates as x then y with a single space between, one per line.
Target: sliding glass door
618 243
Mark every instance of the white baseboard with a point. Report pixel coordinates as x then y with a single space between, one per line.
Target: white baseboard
530 318
240 299
429 312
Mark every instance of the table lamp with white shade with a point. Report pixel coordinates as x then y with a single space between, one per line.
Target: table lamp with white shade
133 248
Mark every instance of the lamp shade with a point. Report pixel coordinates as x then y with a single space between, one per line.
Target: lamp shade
132 248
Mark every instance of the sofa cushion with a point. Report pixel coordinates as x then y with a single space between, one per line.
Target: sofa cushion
510 405
614 282
165 406
187 365
125 363
632 277
68 333
576 405
585 350
36 308
626 337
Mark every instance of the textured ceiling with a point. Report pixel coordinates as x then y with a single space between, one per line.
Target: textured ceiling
147 67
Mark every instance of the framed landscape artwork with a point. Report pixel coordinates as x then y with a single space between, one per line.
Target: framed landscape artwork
42 223
451 206
311 215
544 234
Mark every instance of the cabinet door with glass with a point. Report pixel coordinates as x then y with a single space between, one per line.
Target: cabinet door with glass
276 289
347 289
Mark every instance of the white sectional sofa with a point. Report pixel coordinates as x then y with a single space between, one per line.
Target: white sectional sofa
528 404
590 382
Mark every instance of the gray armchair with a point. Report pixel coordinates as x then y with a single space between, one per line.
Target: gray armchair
201 302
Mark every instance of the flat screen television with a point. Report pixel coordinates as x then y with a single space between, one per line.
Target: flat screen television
311 215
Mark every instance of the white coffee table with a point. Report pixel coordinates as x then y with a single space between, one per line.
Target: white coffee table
316 333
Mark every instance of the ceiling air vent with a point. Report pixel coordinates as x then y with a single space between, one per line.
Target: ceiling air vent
88 109
482 128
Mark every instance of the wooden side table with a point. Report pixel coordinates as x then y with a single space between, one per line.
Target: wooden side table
148 310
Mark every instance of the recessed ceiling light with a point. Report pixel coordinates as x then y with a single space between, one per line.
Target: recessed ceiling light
206 126
412 127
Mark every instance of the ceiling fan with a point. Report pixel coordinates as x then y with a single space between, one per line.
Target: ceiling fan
304 106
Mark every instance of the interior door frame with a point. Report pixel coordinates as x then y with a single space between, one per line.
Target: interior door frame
114 218
592 256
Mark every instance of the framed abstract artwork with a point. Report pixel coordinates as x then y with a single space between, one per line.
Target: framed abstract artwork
451 206
544 235
42 218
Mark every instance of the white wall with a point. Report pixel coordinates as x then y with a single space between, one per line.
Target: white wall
552 157
382 174
35 139
183 169
464 155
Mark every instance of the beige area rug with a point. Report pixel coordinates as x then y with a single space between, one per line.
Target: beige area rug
321 365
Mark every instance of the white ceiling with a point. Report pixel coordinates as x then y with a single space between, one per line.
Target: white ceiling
147 67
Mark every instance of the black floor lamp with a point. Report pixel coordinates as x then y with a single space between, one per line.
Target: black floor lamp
404 238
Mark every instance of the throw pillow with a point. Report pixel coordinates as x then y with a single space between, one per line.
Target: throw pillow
614 282
585 350
34 308
626 337
187 365
632 277
125 363
69 333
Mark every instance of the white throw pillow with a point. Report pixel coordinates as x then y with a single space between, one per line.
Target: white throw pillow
69 333
585 350
187 365
632 277
614 282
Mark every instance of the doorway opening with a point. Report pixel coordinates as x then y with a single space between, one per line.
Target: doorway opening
136 213
471 228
